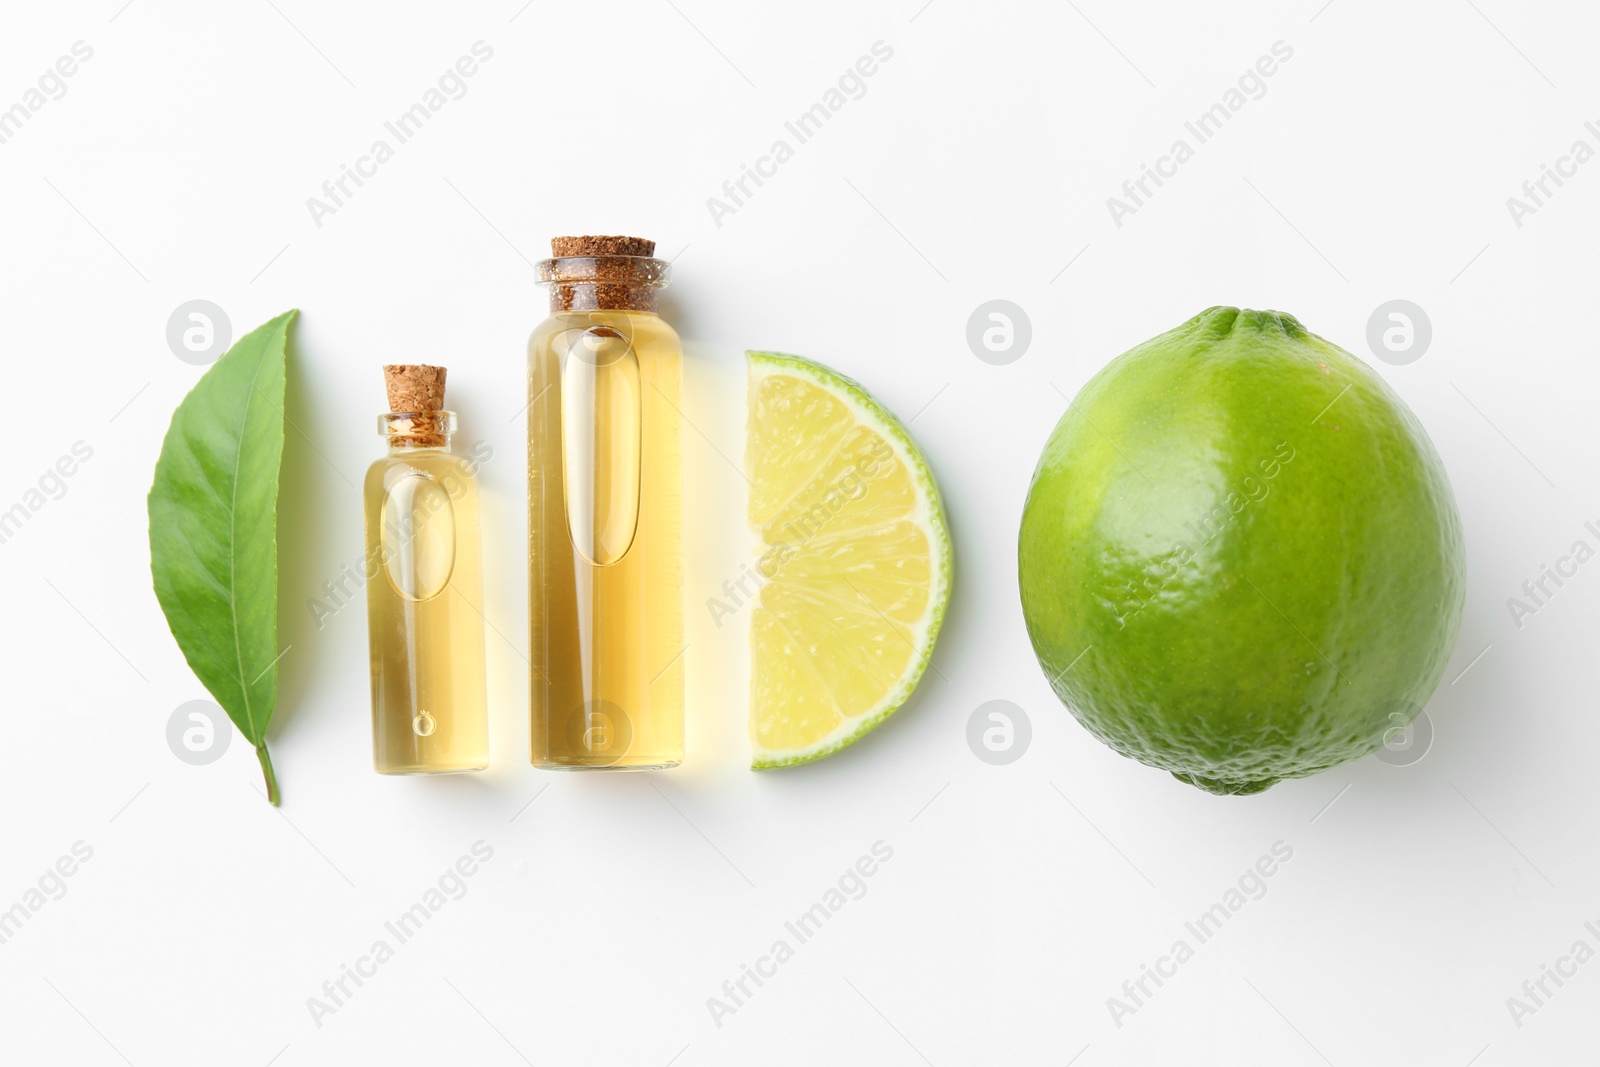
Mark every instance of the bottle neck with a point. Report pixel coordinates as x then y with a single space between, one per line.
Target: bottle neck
604 283
602 296
441 444
410 431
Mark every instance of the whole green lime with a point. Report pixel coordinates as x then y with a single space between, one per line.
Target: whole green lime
1240 557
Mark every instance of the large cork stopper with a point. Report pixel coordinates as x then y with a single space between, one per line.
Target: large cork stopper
601 246
606 273
416 388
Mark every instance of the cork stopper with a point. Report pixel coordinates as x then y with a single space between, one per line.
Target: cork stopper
596 273
416 388
601 246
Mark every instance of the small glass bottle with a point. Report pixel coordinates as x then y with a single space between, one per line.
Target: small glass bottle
424 588
604 512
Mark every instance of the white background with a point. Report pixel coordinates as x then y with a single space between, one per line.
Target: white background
976 166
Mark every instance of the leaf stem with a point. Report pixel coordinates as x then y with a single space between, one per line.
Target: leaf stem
267 772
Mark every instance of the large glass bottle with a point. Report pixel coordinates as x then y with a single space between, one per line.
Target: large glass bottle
604 512
424 588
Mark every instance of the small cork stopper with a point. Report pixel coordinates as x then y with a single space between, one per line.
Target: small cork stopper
416 387
601 246
609 273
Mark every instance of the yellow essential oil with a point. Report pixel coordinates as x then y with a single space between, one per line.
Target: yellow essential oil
604 513
424 589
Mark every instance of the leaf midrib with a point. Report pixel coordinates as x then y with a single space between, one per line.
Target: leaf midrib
233 555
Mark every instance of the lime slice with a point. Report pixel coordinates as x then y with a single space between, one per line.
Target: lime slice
854 561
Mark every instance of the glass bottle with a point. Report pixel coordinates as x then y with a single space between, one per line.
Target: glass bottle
424 588
604 512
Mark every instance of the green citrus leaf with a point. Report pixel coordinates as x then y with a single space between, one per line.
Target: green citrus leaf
214 529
